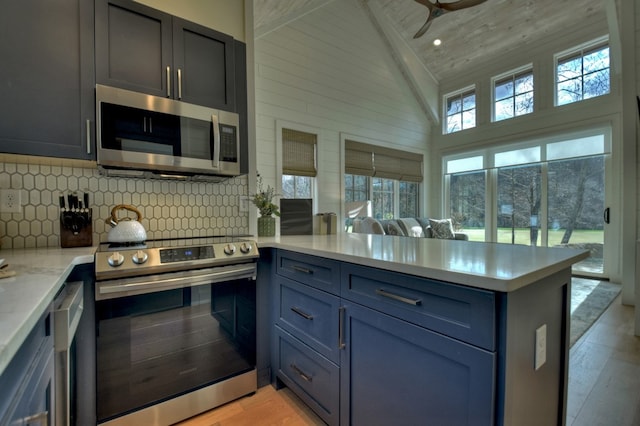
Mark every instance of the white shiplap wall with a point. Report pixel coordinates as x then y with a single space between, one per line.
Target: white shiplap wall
329 70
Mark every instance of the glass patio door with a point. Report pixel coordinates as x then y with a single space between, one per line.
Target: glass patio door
576 209
550 193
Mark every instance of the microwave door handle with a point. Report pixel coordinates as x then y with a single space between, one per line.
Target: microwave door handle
216 142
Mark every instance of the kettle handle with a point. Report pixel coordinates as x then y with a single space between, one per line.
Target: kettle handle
114 218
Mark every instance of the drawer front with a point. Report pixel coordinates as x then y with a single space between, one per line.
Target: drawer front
323 274
311 315
460 312
312 377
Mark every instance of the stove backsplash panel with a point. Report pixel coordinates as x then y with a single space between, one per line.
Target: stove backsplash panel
170 209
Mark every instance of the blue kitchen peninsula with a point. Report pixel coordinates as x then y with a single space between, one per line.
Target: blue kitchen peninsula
371 329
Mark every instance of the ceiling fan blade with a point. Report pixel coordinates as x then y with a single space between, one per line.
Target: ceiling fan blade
462 4
424 27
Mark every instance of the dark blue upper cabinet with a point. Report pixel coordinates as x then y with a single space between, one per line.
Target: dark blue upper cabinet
143 49
47 78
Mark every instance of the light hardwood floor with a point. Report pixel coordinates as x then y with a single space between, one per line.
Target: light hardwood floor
604 384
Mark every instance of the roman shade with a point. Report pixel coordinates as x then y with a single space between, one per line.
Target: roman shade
298 153
372 160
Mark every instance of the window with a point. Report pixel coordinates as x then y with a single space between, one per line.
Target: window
390 178
297 186
460 111
356 188
383 198
408 193
582 74
298 163
513 95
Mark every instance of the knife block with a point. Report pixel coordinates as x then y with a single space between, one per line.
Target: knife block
83 237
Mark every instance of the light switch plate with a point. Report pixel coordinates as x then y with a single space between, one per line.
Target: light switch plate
541 346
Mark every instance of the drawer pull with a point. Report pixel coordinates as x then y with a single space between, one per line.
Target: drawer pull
414 302
341 344
300 373
301 269
302 313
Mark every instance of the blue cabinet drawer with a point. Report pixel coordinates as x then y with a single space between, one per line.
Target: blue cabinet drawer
309 314
460 312
312 377
323 274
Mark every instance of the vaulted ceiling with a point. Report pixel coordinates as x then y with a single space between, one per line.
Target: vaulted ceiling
469 37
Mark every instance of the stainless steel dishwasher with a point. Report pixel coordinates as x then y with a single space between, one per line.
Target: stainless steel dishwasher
68 306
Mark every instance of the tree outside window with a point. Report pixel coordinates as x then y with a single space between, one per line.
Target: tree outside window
383 193
356 188
582 75
297 186
408 192
513 95
461 111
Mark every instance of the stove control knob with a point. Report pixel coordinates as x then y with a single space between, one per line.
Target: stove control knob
229 249
140 257
116 259
245 248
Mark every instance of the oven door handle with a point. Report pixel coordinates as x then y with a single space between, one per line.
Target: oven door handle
132 286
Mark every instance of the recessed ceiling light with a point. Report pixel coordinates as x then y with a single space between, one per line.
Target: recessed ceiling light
437 42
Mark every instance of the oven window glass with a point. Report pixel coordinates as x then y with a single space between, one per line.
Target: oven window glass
157 346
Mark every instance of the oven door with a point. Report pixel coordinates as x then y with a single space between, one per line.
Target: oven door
160 345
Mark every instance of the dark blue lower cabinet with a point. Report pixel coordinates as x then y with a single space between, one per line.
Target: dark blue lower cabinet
311 376
395 373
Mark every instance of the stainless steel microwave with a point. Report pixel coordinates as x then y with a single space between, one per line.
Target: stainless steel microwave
140 135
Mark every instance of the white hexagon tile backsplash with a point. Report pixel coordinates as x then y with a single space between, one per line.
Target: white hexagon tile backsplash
170 209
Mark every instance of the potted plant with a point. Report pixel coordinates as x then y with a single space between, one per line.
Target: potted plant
263 200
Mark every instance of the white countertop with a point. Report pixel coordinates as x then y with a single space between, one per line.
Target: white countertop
24 297
497 267
40 273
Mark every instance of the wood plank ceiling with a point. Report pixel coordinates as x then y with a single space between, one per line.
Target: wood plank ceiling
469 37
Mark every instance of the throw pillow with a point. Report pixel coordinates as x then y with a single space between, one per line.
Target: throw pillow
411 227
394 229
442 228
371 226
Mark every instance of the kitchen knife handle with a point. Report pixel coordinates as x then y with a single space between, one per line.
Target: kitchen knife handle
168 81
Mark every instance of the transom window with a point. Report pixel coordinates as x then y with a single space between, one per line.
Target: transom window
513 95
583 74
460 110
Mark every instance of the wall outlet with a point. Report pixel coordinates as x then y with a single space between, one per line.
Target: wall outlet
541 346
10 201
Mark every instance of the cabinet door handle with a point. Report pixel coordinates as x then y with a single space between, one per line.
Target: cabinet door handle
179 83
301 269
301 373
42 418
302 313
341 344
168 81
384 293
144 124
88 127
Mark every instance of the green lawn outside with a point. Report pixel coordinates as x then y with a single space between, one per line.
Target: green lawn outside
522 236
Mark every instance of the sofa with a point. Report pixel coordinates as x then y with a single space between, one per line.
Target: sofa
409 227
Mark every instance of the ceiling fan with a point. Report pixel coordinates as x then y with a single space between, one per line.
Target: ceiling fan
438 9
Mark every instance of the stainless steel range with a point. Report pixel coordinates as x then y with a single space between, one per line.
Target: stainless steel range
175 328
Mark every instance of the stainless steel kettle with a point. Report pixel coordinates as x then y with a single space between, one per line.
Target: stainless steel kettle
126 230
